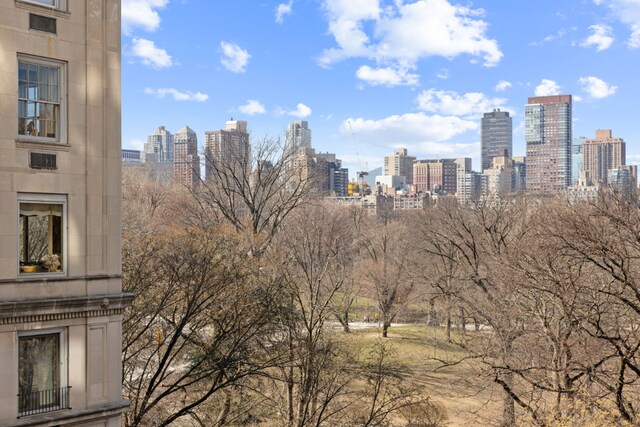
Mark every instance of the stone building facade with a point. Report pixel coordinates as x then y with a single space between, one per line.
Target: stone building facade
61 298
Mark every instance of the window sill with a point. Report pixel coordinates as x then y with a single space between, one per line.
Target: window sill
60 13
30 143
42 274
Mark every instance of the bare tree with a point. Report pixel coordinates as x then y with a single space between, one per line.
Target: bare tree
200 321
254 189
315 258
385 264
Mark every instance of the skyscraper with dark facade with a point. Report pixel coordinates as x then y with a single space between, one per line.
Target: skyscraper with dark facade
496 136
548 137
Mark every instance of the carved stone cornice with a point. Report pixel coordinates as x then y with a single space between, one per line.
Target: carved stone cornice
61 308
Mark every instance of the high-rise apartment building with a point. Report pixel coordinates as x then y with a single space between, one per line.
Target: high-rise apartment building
467 181
548 137
337 177
519 173
436 176
499 179
399 164
623 179
227 149
298 135
186 161
61 302
577 158
602 153
496 135
159 146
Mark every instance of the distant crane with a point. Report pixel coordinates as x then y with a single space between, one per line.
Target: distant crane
362 173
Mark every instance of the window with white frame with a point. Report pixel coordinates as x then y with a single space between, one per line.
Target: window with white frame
55 4
41 95
42 233
42 372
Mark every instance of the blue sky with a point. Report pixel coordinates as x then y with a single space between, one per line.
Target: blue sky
374 75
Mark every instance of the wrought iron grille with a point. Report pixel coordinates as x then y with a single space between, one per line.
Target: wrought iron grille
42 401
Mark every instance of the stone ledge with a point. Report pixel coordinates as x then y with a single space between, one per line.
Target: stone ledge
65 417
34 310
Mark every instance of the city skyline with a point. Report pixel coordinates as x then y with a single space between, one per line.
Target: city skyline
281 61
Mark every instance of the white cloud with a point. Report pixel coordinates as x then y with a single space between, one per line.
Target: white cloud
301 111
547 87
234 59
443 74
451 103
601 37
627 12
399 36
150 54
141 14
597 88
177 95
386 76
282 10
550 37
252 107
634 38
418 132
503 85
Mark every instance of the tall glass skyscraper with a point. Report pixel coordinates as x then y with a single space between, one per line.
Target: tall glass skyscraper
298 136
496 136
159 146
576 159
548 125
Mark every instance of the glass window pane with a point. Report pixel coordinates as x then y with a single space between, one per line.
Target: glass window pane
22 71
22 109
43 76
42 127
53 94
32 90
41 233
53 77
43 92
51 128
39 84
22 89
33 73
38 370
31 109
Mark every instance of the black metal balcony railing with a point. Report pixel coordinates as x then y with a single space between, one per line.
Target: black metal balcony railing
42 401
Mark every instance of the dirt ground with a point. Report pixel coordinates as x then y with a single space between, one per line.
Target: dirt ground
470 398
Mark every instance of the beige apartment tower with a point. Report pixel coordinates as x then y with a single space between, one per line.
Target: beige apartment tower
186 163
227 149
602 154
61 298
399 164
548 122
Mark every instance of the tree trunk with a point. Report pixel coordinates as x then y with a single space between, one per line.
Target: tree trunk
463 321
432 320
448 331
226 408
508 404
385 328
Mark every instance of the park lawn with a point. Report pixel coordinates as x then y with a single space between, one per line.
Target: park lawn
469 398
